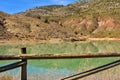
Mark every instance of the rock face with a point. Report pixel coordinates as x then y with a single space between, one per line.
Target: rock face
94 18
97 27
108 24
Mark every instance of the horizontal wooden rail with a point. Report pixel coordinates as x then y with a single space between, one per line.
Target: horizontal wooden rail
12 66
56 56
24 57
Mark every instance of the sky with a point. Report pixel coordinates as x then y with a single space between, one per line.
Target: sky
15 6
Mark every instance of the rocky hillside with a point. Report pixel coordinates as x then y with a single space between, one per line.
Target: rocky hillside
4 34
19 27
93 18
97 18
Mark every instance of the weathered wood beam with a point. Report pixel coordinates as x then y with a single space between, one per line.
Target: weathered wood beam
24 67
56 56
12 66
93 71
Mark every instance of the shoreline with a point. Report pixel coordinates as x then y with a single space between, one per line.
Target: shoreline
53 41
104 39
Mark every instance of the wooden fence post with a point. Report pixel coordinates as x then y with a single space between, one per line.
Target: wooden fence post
24 66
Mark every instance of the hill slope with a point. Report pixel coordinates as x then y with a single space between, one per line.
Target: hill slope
94 18
97 18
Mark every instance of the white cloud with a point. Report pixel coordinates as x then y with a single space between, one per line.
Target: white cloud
61 1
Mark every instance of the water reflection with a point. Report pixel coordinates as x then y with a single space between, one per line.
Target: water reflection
55 69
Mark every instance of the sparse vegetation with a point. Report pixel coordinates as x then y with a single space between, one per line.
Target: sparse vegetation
46 20
86 17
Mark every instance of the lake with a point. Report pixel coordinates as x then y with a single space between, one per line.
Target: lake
57 69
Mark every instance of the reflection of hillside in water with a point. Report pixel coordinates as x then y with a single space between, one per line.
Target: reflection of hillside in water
108 46
85 47
77 47
75 64
97 47
63 67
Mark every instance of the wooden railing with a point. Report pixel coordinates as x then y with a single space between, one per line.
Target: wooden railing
23 57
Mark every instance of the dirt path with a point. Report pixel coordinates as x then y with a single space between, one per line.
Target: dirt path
102 39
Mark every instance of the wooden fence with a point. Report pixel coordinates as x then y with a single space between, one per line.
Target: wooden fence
23 57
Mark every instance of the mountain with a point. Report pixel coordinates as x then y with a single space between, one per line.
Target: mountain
91 18
98 18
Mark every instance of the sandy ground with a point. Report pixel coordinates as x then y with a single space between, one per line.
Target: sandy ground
100 39
52 41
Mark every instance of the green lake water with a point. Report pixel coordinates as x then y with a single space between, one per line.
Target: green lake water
62 68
